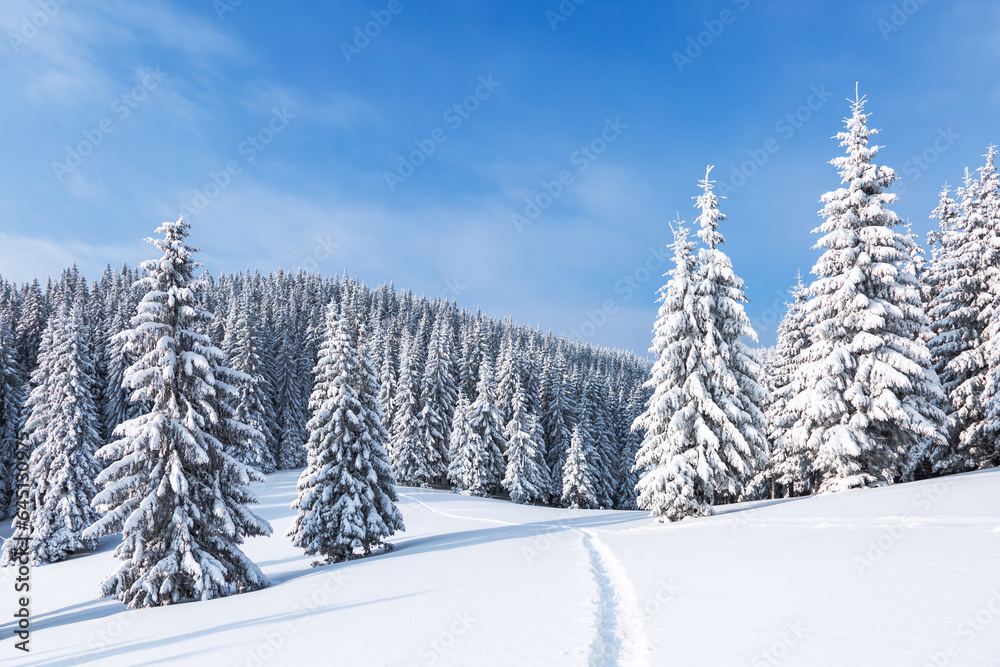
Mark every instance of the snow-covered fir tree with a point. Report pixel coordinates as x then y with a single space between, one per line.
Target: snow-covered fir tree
790 470
867 394
463 443
704 424
171 487
989 210
675 480
579 486
62 431
415 461
484 420
942 242
557 420
734 399
631 442
30 326
289 439
387 386
116 407
11 403
438 394
526 478
346 495
253 445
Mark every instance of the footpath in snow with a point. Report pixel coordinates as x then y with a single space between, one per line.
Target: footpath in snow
907 575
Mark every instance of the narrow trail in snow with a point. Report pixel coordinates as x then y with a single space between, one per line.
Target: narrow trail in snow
621 637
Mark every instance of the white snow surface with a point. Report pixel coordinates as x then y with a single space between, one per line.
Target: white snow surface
903 575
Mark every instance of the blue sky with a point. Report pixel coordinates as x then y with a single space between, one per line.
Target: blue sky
275 126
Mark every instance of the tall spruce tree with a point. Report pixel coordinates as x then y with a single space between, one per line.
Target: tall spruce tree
556 422
172 489
733 400
62 431
11 404
484 420
415 461
438 394
867 394
526 478
464 468
675 475
346 495
790 470
253 445
289 440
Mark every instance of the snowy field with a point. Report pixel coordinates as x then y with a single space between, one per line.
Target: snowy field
907 575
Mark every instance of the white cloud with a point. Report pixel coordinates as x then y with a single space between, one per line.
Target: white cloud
24 258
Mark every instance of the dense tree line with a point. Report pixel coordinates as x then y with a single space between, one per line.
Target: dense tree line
485 405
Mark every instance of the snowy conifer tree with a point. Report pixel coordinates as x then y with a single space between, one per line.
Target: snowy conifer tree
791 470
866 401
730 371
172 490
346 495
290 452
579 486
387 387
11 403
464 465
628 477
116 405
438 395
557 423
484 420
415 461
252 445
704 424
989 211
62 431
527 476
675 480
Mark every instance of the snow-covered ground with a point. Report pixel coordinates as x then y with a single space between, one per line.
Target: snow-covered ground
907 575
